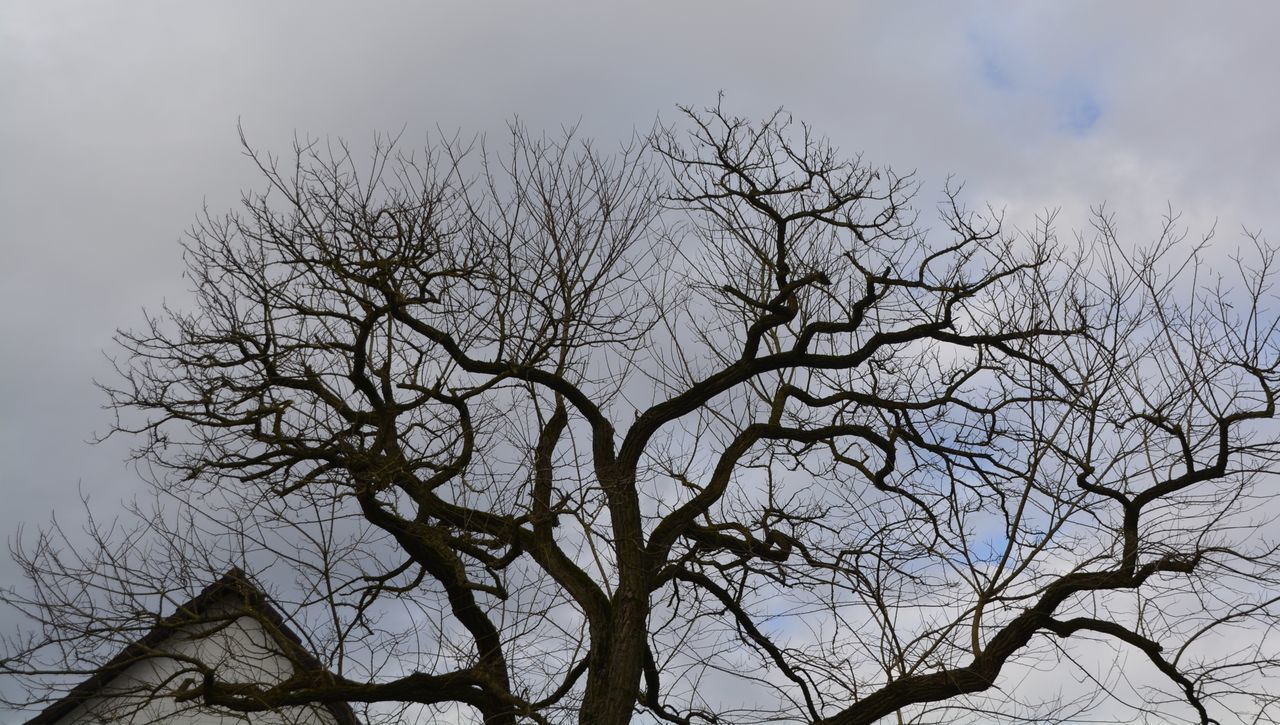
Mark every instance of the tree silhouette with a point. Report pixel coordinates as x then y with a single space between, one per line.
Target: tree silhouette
709 429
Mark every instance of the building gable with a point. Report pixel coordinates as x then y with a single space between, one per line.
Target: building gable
231 626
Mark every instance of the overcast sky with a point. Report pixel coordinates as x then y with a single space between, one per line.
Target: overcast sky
118 122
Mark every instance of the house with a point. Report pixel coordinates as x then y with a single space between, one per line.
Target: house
232 626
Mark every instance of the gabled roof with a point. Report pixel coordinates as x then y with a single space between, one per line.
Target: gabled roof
234 583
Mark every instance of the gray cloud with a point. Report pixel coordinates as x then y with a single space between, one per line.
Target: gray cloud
119 123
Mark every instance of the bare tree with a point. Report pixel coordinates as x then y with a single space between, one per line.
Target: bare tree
710 429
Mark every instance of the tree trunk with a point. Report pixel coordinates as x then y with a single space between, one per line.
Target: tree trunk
617 652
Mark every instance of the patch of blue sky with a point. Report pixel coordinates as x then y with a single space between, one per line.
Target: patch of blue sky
1080 112
1073 104
995 72
996 66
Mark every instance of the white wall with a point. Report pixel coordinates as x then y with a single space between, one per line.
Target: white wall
241 651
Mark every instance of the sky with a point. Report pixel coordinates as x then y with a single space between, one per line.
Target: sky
118 123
